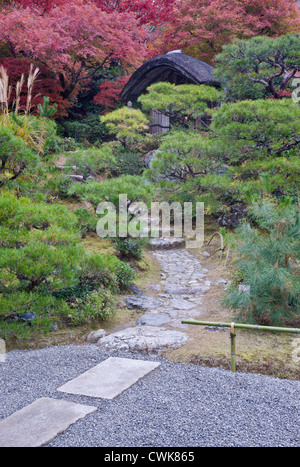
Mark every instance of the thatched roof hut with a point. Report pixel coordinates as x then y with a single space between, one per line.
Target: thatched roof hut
174 67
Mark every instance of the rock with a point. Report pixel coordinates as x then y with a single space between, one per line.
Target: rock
223 282
54 327
175 289
94 336
142 302
76 178
166 243
179 304
154 287
214 328
244 288
29 316
154 319
135 289
149 158
206 254
145 339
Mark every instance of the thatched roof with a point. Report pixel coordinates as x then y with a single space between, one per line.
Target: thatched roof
174 67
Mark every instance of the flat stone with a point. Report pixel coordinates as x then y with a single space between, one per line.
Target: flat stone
214 328
154 287
174 289
94 336
198 290
39 422
145 339
154 319
142 302
166 243
179 304
110 378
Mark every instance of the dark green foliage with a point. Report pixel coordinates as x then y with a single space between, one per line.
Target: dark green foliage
92 161
87 128
184 104
15 155
98 304
262 128
127 163
15 307
109 190
46 110
259 65
87 221
268 256
45 270
130 248
252 148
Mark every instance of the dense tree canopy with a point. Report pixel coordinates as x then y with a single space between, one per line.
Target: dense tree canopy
271 63
76 41
202 27
154 12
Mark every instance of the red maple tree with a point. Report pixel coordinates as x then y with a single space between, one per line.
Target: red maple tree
46 84
201 27
153 12
76 41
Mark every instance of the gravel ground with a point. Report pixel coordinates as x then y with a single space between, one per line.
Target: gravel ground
176 405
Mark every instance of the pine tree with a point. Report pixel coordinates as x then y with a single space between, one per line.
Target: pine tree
268 257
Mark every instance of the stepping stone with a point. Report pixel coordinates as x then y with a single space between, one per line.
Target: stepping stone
174 289
179 304
166 243
142 302
38 423
145 339
110 378
154 319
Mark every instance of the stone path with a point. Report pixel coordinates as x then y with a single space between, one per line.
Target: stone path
179 296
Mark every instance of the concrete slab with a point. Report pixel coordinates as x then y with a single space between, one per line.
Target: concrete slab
110 378
38 423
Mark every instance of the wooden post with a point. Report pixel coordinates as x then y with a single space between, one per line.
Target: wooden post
233 356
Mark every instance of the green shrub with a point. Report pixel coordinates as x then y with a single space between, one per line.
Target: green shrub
107 270
87 221
184 103
124 273
130 248
129 125
99 304
34 131
44 269
69 144
43 311
109 190
267 262
15 155
127 163
93 160
84 129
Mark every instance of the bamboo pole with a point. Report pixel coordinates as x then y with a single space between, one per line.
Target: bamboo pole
242 326
232 327
233 355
